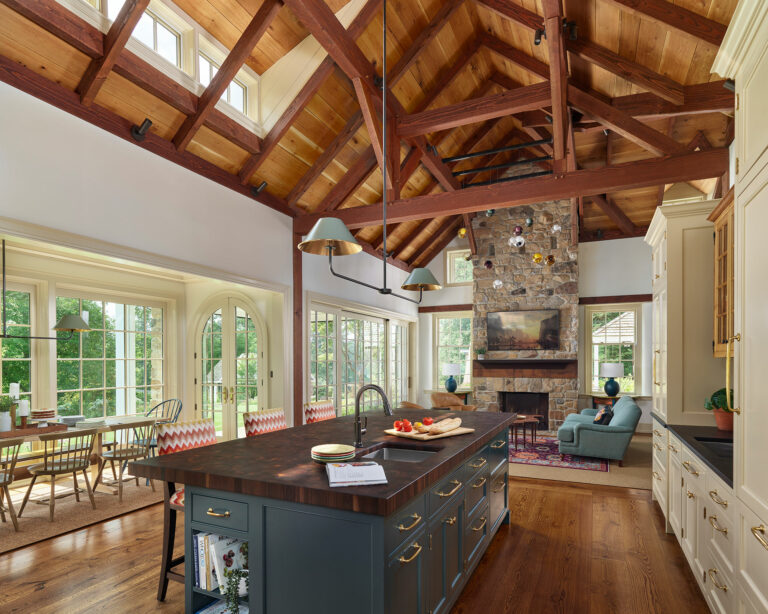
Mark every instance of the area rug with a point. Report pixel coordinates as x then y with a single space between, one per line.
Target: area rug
545 453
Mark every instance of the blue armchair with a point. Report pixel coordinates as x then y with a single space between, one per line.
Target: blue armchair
578 435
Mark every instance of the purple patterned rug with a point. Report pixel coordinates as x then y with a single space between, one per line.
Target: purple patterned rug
545 453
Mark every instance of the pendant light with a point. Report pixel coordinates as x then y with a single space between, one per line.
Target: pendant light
71 323
330 235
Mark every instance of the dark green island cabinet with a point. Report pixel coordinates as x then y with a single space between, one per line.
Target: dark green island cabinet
405 547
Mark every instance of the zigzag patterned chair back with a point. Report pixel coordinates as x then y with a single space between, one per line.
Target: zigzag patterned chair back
260 422
317 411
177 436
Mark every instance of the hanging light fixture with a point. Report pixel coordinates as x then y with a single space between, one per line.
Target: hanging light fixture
71 323
330 235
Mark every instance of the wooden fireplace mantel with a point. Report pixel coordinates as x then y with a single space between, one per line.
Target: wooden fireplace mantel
561 368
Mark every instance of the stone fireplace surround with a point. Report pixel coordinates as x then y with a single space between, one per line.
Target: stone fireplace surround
527 285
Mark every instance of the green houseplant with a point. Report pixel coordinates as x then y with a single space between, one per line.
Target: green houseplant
719 405
480 353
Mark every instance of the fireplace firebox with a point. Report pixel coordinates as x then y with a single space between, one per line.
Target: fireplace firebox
527 404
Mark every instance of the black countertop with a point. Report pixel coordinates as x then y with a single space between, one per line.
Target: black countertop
721 464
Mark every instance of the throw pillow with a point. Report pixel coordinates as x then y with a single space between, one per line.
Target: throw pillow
603 416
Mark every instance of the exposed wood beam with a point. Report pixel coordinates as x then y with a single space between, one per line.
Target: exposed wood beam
615 214
447 75
553 23
114 42
28 81
699 141
679 18
410 164
468 217
445 308
373 124
477 110
408 241
520 58
227 71
681 167
622 298
376 253
379 243
350 182
306 93
443 237
624 124
298 330
588 236
513 11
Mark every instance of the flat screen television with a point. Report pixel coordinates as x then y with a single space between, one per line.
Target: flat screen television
524 330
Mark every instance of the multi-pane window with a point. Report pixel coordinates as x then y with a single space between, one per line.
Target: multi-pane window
212 370
116 367
322 356
453 346
236 93
153 32
398 363
363 353
614 337
459 269
15 354
246 363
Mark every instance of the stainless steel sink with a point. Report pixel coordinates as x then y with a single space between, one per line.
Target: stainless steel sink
720 447
405 455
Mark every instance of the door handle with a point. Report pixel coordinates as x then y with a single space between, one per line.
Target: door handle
232 398
224 394
736 337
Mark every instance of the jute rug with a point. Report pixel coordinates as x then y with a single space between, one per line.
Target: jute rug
69 515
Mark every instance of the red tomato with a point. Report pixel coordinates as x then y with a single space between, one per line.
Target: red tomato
427 421
406 423
407 428
398 425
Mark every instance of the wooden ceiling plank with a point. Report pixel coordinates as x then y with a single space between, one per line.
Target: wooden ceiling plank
476 110
513 11
350 182
657 143
227 71
553 24
443 237
408 241
446 76
670 169
514 55
679 18
615 214
468 217
114 43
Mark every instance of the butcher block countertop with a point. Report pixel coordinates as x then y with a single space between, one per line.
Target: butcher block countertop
278 465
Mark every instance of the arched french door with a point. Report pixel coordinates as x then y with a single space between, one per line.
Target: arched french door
231 377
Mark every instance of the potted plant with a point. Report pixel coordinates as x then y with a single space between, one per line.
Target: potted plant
6 406
480 353
718 403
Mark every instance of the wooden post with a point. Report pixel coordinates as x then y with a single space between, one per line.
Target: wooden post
298 332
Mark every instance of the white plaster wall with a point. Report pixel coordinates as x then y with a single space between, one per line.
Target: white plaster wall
610 268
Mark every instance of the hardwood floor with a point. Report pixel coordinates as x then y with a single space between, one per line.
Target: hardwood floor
569 549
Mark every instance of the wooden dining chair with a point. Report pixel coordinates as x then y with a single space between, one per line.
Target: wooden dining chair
63 453
9 454
451 401
167 411
409 405
266 421
175 437
130 442
317 411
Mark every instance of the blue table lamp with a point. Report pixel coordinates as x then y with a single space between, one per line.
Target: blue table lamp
611 370
450 370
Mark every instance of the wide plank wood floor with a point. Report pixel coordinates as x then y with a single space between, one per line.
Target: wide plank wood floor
570 549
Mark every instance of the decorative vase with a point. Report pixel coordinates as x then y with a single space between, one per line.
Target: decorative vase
450 384
723 419
611 387
5 421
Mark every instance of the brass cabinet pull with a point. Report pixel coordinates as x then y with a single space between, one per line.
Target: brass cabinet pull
451 521
655 352
456 487
498 444
690 494
482 463
712 574
759 533
501 485
224 514
655 432
687 466
716 526
714 496
403 560
656 475
416 520
657 446
482 524
736 337
479 484
673 448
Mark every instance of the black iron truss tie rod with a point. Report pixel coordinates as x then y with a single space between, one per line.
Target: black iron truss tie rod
472 171
488 152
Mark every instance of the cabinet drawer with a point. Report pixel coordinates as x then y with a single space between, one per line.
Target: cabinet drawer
722 537
406 576
719 588
660 453
476 490
693 468
660 433
675 446
404 523
658 470
498 495
475 534
498 449
220 512
445 489
754 555
478 463
659 487
720 498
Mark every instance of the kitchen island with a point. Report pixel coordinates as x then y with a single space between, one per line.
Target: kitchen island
407 546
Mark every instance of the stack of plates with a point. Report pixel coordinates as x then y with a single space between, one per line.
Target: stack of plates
333 453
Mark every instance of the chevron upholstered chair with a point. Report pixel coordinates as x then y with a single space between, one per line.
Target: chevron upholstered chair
317 411
176 437
260 422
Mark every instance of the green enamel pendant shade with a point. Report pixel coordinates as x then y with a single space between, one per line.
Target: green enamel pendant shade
330 232
72 323
421 279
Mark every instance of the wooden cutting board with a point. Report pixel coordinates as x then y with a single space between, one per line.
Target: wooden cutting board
462 430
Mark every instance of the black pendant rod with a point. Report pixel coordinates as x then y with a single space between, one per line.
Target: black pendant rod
472 171
488 152
384 290
505 179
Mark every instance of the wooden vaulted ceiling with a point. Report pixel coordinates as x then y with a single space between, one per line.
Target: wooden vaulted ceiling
464 76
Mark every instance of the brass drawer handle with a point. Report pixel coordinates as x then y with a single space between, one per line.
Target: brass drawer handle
498 444
452 491
759 533
403 560
716 526
655 432
482 524
656 475
482 463
712 574
416 520
479 484
690 494
502 484
657 446
224 514
714 496
450 521
673 448
687 466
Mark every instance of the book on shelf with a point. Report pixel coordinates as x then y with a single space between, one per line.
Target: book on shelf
220 607
355 474
229 554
